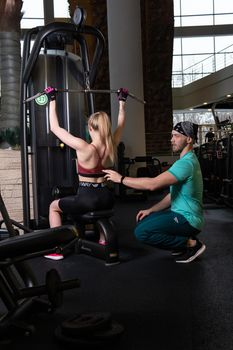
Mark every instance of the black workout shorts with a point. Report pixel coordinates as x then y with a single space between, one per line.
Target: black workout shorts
89 197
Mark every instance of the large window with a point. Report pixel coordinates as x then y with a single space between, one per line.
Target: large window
202 12
33 15
61 9
195 57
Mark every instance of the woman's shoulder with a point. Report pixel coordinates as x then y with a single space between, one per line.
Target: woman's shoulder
85 152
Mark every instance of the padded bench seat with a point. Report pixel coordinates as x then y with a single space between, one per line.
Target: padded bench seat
36 241
94 215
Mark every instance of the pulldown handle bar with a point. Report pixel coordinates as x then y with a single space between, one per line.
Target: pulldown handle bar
92 91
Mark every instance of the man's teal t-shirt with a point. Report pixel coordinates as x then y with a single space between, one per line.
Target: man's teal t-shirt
186 195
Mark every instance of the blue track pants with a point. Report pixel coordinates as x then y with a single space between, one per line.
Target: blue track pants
165 230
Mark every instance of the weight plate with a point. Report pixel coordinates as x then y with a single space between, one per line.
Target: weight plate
114 331
86 323
42 100
82 340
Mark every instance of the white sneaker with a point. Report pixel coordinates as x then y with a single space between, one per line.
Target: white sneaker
54 256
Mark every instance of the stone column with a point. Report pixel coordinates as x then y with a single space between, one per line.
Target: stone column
125 69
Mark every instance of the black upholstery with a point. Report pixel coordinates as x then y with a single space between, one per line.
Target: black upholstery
95 215
35 241
101 225
19 289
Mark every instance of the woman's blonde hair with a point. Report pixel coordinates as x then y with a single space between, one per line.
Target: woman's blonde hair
100 122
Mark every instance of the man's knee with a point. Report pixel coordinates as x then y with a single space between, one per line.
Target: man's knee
139 234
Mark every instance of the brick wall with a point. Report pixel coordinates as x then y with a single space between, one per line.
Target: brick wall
157 43
11 183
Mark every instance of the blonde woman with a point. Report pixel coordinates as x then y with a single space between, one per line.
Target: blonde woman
92 158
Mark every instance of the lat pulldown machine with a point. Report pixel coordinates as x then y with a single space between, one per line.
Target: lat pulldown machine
50 164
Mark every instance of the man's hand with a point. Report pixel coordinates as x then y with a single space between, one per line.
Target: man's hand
112 175
142 214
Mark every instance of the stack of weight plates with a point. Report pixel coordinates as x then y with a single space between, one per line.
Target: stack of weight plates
90 329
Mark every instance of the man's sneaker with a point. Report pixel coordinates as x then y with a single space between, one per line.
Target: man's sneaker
192 253
178 251
54 256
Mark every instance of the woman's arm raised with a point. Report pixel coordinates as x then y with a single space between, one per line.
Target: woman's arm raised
122 97
74 142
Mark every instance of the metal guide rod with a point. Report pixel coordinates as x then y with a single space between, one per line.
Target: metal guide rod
92 91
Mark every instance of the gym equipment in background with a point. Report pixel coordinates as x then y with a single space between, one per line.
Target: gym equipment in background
216 164
152 168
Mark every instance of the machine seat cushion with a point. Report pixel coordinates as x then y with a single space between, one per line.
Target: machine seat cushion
36 241
92 216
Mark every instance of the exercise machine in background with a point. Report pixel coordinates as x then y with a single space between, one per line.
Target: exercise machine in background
151 168
216 160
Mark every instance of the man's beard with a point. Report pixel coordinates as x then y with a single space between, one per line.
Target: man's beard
179 148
